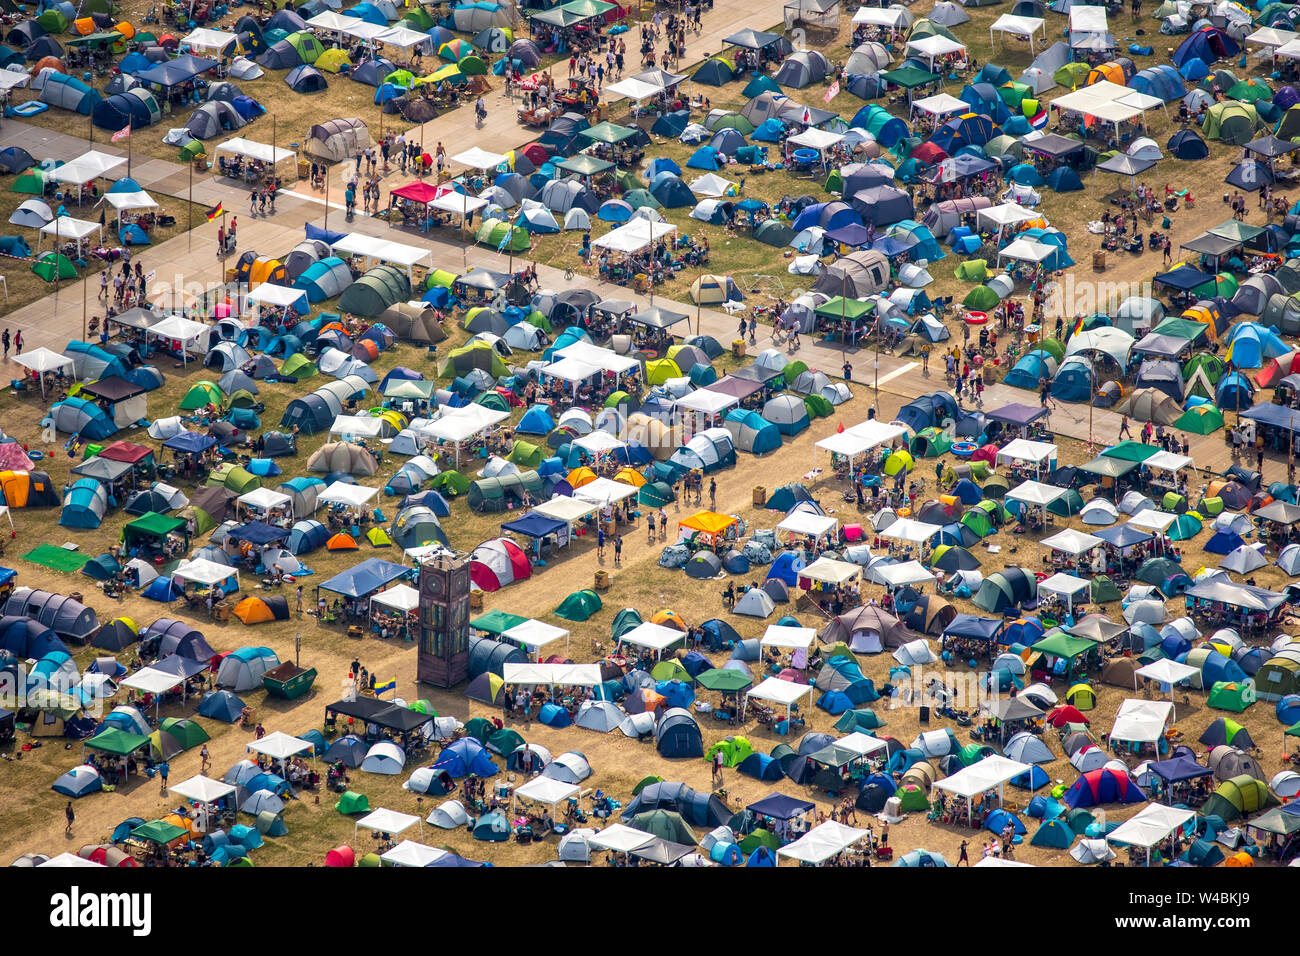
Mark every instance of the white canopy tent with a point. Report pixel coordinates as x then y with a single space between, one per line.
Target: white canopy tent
706 402
202 789
634 236
604 491
204 573
278 297
460 425
783 693
1067 586
861 438
599 442
410 853
41 360
373 249
258 151
386 821
278 745
993 772
903 573
124 202
941 104
404 39
864 745
543 790
933 47
891 17
1025 27
357 426
822 842
909 529
1036 453
565 508
1072 542
1150 825
1027 250
1142 721
460 203
207 40
534 635
653 637
350 496
786 637
551 675
1166 672
832 572
400 597
1036 493
1004 215
619 838
1150 519
187 333
65 227
810 524
263 500
607 360
476 158
89 165
66 859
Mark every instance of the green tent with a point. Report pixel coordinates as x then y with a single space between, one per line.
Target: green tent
723 681
656 494
864 720
1185 526
504 741
993 509
641 198
417 18
299 366
201 393
972 270
379 538
645 782
1054 348
156 831
624 621
31 182
525 454
496 622
1231 695
1200 420
818 407
757 838
981 299
234 478
794 370
1104 590
1211 365
579 605
931 443
494 401
350 803
378 290
978 522
1072 74
191 151
538 321
1054 834
150 527
449 483
1070 503
307 45
47 264
1238 797
1078 820
188 733
665 824
480 355
995 487
671 670
440 279
911 797
734 750
53 21
493 233
117 742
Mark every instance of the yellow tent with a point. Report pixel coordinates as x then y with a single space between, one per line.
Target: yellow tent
709 522
581 476
630 476
332 61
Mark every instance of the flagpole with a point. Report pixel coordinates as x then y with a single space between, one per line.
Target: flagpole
189 213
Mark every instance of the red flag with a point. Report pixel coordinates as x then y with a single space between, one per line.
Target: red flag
122 133
840 429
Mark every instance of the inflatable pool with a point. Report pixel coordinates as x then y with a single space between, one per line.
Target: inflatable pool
976 318
30 108
964 449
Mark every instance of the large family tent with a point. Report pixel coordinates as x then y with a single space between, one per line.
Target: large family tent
378 290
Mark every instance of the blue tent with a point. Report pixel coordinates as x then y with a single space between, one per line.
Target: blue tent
553 715
1187 145
671 125
713 72
983 98
363 579
771 130
1032 778
1031 369
727 141
1234 392
761 767
614 210
670 191
834 702
162 589
464 757
999 819
536 421
221 705
677 693
1053 833
84 504
761 856
661 164
718 633
1063 179
1161 80
1025 175
968 129
1073 381
79 782
786 567
1207 45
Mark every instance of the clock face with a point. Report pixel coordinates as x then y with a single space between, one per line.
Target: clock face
432 584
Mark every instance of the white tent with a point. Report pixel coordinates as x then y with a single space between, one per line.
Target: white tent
634 236
934 47
1067 586
992 772
1072 542
822 842
604 491
1036 494
258 151
1150 825
788 638
205 573
476 158
808 523
652 637
902 573
350 496
1024 27
909 529
188 333
619 838
534 635
941 104
410 853
1142 721
543 790
400 597
783 693
279 746
386 821
42 360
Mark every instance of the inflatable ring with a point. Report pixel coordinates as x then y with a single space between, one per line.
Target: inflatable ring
964 449
36 455
905 512
976 318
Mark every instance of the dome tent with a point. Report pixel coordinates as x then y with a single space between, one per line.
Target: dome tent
378 290
306 79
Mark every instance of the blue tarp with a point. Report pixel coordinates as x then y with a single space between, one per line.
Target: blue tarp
778 806
368 576
534 525
259 533
190 442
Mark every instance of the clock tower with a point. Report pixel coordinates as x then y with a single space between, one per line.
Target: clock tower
443 655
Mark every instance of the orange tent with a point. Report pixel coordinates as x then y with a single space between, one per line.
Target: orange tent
125 29
1108 71
710 522
1207 317
341 542
1240 859
256 610
50 61
630 476
669 619
84 26
581 476
366 350
333 327
15 485
265 269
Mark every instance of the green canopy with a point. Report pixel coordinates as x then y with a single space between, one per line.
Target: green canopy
496 622
1189 329
1131 451
725 681
151 525
117 742
607 133
579 605
840 307
559 17
156 831
1063 645
584 165
909 77
588 8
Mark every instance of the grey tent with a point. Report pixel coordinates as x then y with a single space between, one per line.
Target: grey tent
1253 294
802 69
306 79
857 275
337 140
379 289
304 254
868 58
63 615
214 118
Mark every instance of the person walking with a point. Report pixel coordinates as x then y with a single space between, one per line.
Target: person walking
963 858
70 817
713 494
18 342
205 759
103 283
618 548
297 596
600 543
4 339
163 769
1123 427
650 528
848 371
716 765
925 359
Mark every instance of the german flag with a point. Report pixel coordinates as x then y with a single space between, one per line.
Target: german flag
214 212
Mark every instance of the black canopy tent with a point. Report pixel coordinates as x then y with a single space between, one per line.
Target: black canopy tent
1162 346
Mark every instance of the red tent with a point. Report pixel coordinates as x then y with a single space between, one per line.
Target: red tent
1065 714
